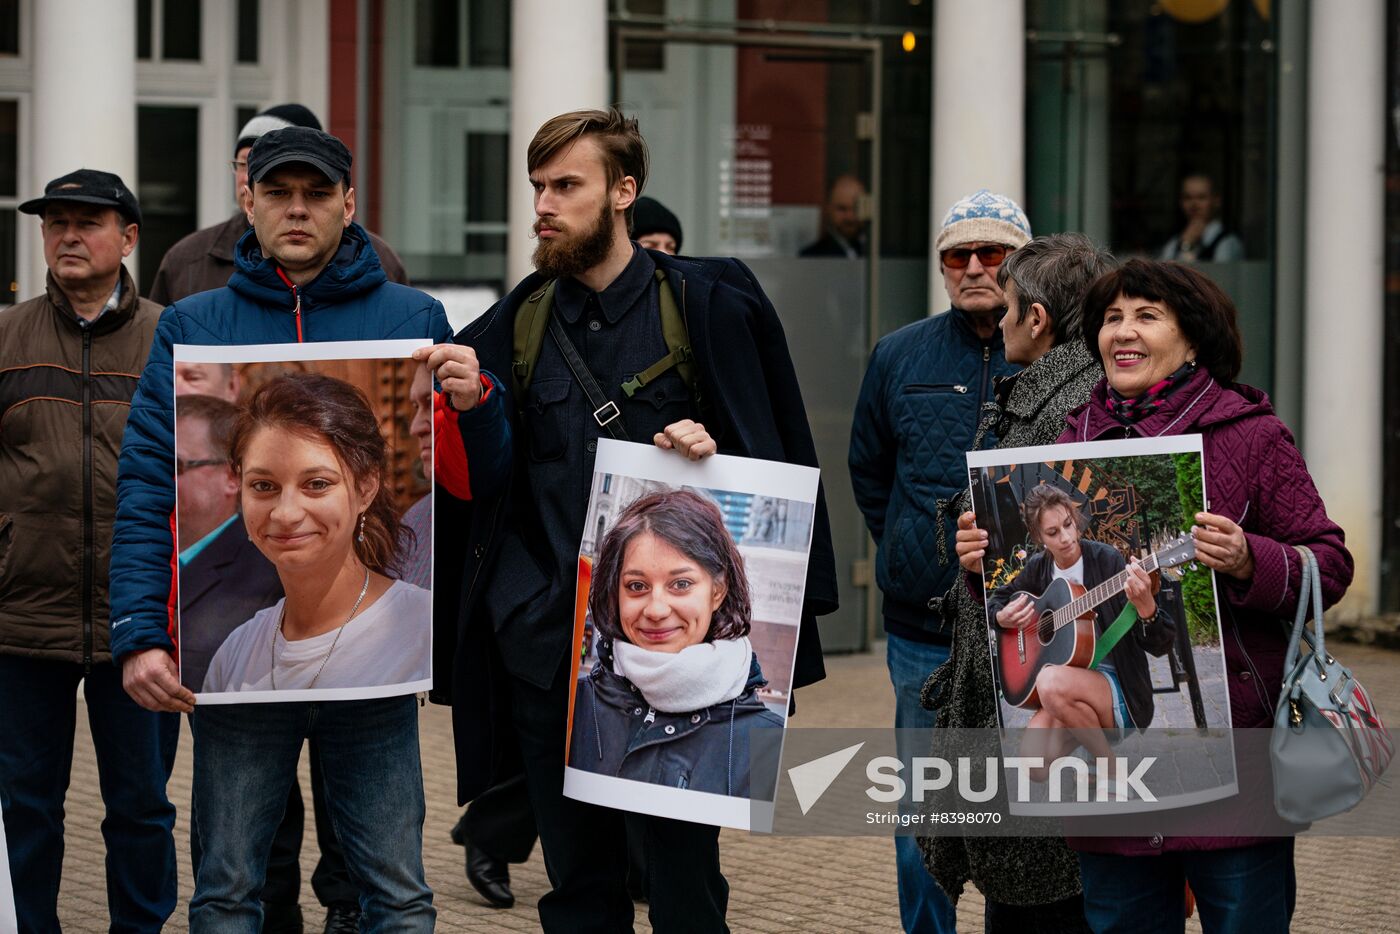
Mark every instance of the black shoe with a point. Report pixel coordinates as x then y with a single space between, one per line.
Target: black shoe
488 875
281 919
342 918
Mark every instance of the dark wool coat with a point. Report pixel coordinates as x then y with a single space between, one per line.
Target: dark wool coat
755 410
703 750
1030 409
1256 477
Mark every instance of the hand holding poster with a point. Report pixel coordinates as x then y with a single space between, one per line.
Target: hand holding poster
304 562
691 584
1100 622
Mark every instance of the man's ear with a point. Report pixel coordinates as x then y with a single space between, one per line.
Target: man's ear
130 235
245 201
625 194
349 206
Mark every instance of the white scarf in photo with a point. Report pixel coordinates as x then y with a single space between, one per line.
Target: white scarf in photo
696 677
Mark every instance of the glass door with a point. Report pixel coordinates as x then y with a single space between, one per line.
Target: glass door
768 148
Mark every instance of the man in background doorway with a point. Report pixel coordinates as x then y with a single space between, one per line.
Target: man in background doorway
843 223
1205 238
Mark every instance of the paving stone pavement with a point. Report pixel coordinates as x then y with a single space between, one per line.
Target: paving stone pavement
817 884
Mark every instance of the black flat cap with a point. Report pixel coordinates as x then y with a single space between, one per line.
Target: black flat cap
88 186
315 148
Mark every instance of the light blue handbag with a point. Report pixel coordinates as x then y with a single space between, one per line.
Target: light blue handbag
1329 746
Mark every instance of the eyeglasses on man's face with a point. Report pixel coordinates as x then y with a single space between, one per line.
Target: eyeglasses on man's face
182 465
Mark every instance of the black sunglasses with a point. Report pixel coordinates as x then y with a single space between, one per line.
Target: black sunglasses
990 255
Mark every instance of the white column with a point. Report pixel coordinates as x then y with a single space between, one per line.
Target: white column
559 62
1343 310
215 179
979 91
84 102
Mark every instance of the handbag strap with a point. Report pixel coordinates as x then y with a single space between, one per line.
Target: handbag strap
605 411
1309 587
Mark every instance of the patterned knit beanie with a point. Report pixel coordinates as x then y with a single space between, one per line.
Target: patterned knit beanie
986 217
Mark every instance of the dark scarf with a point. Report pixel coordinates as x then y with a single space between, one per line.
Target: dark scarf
1129 411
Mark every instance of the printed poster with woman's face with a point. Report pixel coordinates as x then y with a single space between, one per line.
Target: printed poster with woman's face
691 578
1103 628
303 521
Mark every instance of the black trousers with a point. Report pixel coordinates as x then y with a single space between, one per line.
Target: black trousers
585 846
1063 917
282 885
500 821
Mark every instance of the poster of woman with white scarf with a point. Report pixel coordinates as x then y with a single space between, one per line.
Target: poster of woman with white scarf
690 591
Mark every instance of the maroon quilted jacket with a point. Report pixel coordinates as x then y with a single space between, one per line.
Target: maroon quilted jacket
1255 476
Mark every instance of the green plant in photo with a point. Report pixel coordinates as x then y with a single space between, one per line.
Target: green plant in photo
1196 590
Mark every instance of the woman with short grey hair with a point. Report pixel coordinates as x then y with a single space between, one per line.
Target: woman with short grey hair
1027 882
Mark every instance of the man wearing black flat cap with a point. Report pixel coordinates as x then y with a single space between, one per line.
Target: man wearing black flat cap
69 361
203 260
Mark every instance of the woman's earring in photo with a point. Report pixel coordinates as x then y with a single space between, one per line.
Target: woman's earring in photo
361 537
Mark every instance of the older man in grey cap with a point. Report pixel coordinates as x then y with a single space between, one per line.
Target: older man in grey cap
915 416
203 260
68 364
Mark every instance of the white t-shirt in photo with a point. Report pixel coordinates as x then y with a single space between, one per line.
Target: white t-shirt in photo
389 642
1074 573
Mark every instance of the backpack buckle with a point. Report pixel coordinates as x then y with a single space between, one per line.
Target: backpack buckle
606 413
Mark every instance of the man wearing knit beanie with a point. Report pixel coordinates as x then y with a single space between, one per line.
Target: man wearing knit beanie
915 417
203 260
655 227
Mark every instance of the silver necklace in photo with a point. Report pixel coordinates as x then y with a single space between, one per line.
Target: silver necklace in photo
282 617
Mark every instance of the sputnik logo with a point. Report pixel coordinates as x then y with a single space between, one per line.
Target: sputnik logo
810 780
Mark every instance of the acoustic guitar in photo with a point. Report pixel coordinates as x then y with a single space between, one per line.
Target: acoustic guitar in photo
1063 632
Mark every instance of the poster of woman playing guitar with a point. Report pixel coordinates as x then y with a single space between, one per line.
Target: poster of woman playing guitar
1100 622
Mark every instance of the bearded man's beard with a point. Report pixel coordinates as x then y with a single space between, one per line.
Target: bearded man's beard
572 254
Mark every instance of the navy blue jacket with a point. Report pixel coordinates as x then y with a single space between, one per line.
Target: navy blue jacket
703 750
755 410
351 299
915 419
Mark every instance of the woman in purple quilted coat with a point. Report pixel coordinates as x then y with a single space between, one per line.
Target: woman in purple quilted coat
1171 349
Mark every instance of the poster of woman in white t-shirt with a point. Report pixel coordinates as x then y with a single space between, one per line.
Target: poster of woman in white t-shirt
317 501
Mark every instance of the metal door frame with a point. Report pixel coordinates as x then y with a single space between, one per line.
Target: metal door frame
864 574
872 47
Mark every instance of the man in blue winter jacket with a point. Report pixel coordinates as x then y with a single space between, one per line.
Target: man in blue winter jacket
915 417
304 272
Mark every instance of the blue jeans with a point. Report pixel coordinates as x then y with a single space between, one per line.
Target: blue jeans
1243 889
245 760
135 753
923 908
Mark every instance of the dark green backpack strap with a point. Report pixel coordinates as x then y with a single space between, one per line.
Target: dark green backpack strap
677 337
531 321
